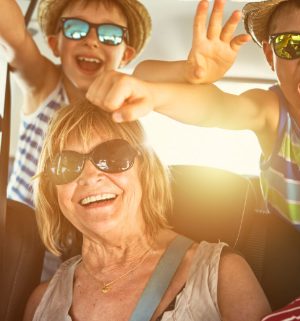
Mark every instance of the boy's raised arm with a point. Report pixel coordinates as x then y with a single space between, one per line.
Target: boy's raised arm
130 98
200 103
214 50
19 47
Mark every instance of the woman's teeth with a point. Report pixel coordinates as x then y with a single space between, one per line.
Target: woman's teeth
97 198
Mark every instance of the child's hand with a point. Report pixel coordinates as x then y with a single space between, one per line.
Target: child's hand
214 49
128 98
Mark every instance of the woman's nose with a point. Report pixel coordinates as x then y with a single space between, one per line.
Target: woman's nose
90 174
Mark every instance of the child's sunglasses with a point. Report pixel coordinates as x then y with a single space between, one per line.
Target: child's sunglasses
113 156
108 33
286 45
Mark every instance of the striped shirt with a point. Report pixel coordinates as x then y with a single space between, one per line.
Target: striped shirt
31 136
280 173
288 313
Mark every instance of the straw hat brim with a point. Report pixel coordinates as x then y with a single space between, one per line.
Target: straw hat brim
139 23
256 17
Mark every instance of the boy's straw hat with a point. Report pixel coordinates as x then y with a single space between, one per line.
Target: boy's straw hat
139 21
256 18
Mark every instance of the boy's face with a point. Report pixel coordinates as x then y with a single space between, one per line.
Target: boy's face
288 71
85 59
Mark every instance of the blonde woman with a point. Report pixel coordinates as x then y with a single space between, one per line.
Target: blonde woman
103 180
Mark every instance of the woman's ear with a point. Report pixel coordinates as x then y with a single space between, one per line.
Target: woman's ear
128 55
267 48
53 44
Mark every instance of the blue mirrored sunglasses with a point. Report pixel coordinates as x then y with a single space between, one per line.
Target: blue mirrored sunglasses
286 45
108 33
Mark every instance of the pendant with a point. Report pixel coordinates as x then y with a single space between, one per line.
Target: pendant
105 288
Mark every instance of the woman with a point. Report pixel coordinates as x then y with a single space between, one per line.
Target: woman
102 179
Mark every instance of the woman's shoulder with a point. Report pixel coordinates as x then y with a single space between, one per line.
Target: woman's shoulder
34 301
47 289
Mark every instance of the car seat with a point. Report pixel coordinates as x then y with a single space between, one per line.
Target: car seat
216 205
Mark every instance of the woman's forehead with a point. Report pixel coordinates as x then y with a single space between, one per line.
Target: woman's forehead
82 144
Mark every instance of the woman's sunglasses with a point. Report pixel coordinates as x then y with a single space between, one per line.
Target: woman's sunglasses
108 33
286 45
113 156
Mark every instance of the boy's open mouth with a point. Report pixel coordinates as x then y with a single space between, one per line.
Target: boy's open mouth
89 64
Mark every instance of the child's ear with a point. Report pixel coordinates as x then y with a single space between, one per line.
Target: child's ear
128 55
53 44
267 48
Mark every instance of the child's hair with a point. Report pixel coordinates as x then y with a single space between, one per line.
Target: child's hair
138 19
260 17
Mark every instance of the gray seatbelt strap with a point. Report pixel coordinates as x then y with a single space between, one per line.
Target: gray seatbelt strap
160 279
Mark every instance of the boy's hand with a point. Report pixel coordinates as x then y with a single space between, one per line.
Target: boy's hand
214 48
128 98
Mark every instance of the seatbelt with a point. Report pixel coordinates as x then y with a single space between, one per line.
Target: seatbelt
161 278
4 151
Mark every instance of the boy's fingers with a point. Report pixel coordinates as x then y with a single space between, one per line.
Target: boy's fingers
215 21
199 29
97 90
238 41
230 26
119 92
94 96
132 111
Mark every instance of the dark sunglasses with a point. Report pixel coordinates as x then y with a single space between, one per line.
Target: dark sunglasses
108 33
113 156
286 45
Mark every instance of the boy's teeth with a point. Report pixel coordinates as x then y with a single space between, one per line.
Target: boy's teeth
97 198
94 60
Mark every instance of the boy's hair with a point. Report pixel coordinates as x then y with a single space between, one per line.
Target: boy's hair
258 17
82 121
138 18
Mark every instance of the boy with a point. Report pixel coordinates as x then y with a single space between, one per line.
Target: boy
89 37
273 115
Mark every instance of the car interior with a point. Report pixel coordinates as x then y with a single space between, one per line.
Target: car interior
212 204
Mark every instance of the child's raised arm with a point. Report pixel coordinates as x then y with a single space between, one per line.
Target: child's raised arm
214 49
19 47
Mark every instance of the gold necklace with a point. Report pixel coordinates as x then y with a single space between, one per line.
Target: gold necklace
106 286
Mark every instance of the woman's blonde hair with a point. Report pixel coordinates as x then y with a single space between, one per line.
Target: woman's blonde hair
82 120
138 18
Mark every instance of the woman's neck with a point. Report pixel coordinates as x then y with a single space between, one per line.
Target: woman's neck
113 252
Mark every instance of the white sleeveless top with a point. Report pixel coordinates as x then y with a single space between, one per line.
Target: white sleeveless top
196 302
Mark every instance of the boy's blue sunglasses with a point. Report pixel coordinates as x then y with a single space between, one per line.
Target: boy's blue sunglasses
108 33
286 45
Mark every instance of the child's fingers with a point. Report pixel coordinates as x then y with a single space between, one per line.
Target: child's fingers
98 89
238 41
230 26
95 96
120 91
215 21
132 111
199 28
